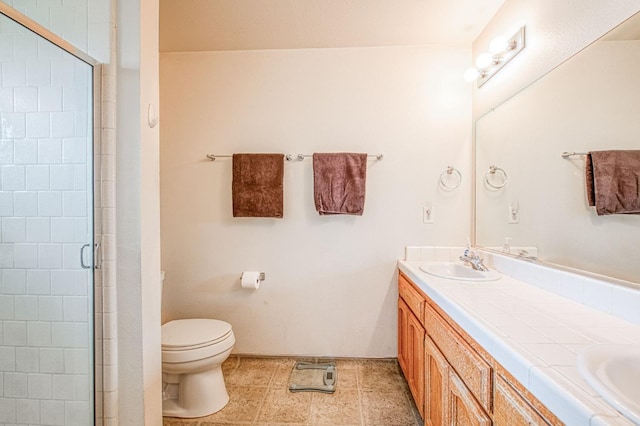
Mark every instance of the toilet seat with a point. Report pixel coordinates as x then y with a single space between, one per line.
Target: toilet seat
187 334
189 340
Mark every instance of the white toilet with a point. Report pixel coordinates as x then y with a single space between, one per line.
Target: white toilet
193 351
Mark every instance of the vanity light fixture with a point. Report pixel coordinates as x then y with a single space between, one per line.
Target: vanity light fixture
501 51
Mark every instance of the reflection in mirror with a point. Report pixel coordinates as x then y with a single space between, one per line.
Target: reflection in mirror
589 103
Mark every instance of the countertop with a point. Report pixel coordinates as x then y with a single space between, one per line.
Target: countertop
536 335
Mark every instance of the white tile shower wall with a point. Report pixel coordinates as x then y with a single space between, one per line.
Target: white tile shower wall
44 360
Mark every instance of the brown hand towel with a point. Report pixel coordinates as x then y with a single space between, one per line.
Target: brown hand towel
257 185
339 182
613 181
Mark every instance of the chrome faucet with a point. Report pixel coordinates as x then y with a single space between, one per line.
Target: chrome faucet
473 260
523 254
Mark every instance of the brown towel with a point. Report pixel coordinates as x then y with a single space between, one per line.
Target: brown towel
257 187
339 181
613 181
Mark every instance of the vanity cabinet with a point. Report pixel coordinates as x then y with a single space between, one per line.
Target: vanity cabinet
411 340
462 383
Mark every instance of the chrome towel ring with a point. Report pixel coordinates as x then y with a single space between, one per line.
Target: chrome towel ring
492 172
447 173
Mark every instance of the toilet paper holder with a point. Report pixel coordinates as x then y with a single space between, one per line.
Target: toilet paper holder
261 277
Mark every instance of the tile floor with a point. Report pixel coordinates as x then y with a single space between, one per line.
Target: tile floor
369 392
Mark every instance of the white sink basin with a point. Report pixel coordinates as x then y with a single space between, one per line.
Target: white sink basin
614 372
457 271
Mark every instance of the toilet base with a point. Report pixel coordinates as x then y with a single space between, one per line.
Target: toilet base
199 394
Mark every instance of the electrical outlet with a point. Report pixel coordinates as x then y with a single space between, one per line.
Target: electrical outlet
514 214
428 215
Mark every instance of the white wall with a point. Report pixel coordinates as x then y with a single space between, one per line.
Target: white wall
555 31
331 284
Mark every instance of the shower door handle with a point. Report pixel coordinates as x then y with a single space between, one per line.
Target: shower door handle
84 266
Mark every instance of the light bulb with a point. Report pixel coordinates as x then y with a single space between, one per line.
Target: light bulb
498 45
484 60
471 74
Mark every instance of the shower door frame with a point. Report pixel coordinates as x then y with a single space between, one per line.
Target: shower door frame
96 261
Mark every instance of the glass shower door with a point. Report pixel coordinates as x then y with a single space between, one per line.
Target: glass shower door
46 218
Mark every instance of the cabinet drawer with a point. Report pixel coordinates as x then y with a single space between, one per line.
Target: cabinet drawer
511 409
471 368
411 296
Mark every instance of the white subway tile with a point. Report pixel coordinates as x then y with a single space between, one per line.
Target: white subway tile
14 230
7 304
40 386
598 295
76 361
74 150
51 360
15 385
71 256
6 151
26 307
8 410
39 334
38 282
49 256
13 281
7 358
62 177
75 203
14 74
25 47
47 51
25 255
50 151
49 98
63 334
70 387
25 99
37 176
62 72
6 98
15 333
25 204
38 125
81 230
6 204
13 178
62 230
49 203
51 308
25 152
77 413
28 411
38 229
53 412
81 180
6 255
62 124
28 360
625 303
38 73
82 124
76 308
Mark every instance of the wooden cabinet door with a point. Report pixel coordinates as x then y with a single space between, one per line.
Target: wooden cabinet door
436 394
511 409
464 410
415 340
403 347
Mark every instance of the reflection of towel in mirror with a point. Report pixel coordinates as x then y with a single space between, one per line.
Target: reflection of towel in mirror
613 181
257 187
339 183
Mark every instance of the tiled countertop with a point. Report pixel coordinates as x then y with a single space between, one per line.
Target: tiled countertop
536 335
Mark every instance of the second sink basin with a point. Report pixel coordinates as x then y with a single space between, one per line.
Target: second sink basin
457 271
614 372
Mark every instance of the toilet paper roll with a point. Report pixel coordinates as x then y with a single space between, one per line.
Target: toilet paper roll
250 279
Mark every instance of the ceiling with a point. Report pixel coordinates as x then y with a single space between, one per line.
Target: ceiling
208 25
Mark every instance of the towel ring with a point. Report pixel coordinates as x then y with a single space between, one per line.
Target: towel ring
492 171
451 171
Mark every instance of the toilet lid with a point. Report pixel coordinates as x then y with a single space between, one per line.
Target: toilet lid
193 333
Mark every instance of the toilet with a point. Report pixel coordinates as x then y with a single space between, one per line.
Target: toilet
193 351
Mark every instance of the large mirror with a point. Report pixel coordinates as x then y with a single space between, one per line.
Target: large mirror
536 197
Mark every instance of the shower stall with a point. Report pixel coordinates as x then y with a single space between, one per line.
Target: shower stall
50 350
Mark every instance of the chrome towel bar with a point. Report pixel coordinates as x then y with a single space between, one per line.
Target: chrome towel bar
289 157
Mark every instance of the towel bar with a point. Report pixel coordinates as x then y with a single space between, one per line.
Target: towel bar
289 157
566 155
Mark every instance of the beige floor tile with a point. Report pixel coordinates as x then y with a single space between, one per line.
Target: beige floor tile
243 406
380 375
389 408
339 408
171 421
250 372
282 406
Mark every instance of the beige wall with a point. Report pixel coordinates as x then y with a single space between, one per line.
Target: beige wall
555 31
330 287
